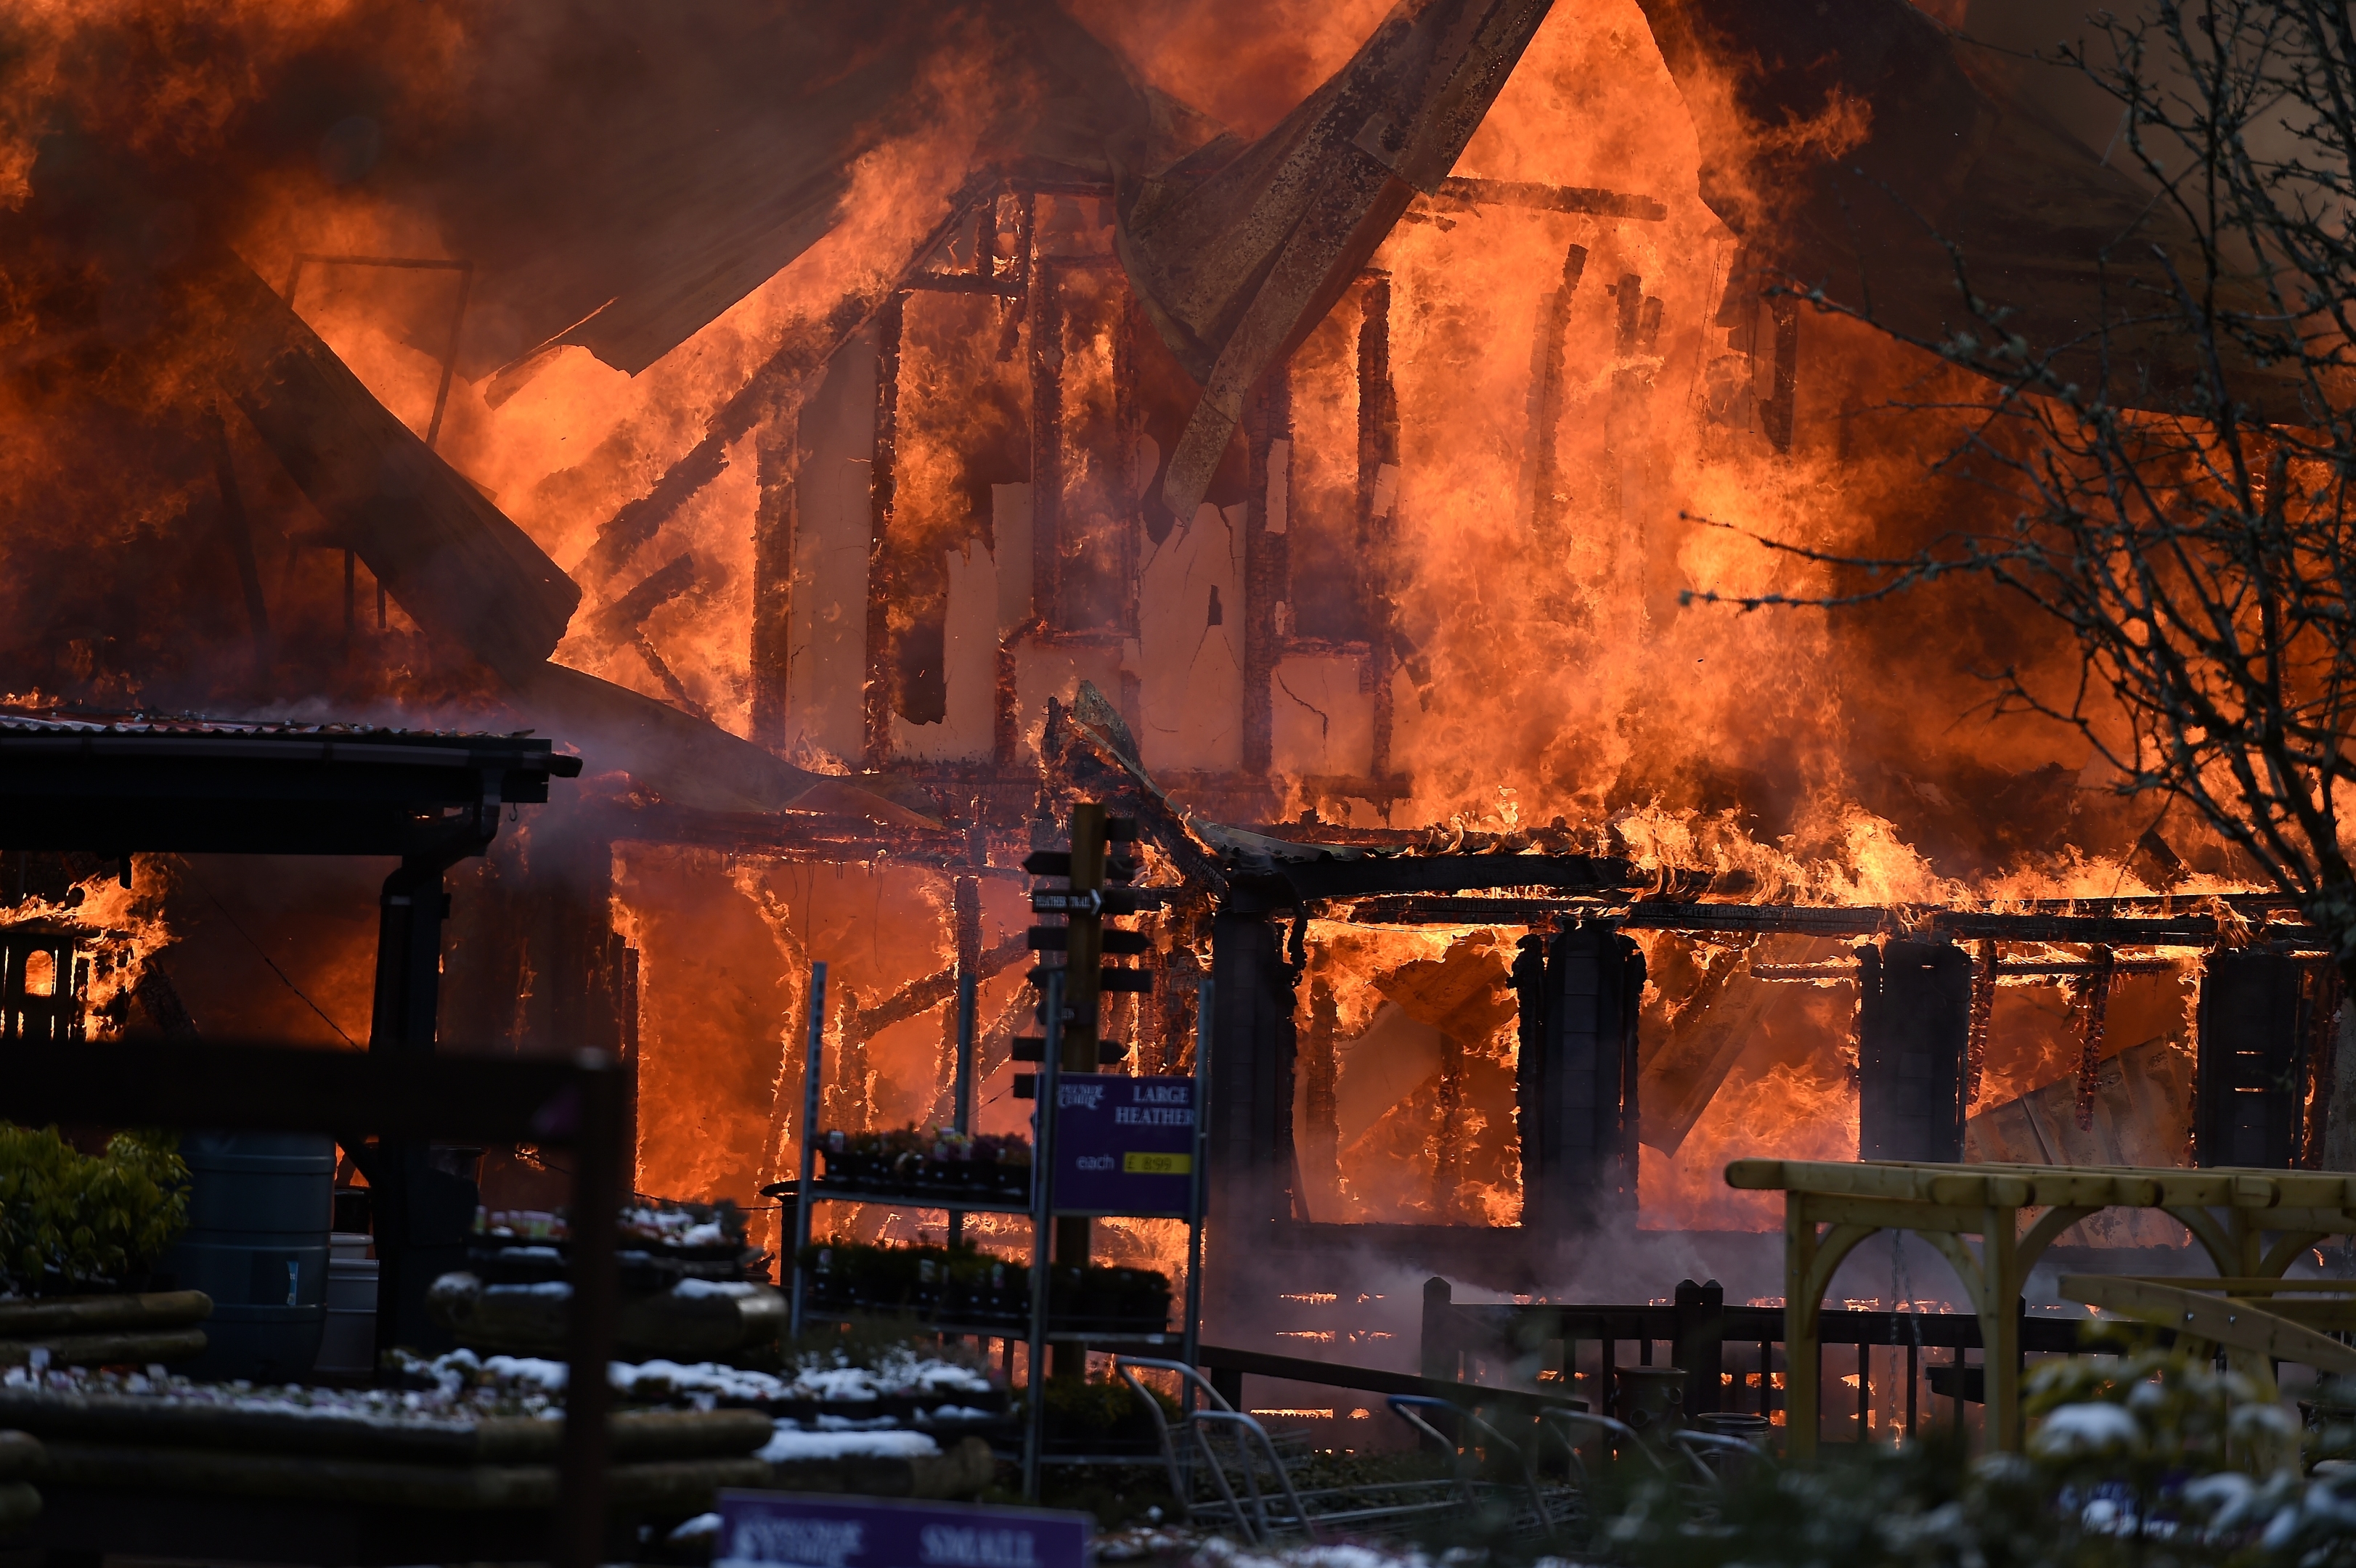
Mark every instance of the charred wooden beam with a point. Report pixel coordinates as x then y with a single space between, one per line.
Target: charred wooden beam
1370 874
804 351
465 271
693 763
1846 969
1628 297
1046 441
1026 256
770 390
621 535
1546 378
455 563
964 919
774 524
1683 1073
156 993
880 694
1321 1156
620 621
823 838
919 997
963 284
1092 767
623 623
1463 195
1266 561
1823 920
1379 469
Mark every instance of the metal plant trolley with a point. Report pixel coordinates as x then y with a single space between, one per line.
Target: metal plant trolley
1041 1205
2254 1223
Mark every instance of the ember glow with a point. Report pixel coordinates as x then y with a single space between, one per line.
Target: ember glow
1481 634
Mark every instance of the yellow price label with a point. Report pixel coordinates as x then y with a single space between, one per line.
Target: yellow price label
1134 1164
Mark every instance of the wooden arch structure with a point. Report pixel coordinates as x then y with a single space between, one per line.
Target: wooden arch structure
2252 1224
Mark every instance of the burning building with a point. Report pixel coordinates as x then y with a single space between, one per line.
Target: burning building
861 436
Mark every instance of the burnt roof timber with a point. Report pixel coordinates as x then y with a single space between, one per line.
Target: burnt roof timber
2121 925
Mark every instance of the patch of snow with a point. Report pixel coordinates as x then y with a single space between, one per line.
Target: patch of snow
848 1386
535 1369
2085 1429
654 1379
694 1289
787 1445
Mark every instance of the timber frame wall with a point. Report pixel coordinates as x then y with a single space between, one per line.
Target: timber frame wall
2265 1053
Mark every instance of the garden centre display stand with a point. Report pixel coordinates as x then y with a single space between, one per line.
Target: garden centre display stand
2252 1223
1043 1205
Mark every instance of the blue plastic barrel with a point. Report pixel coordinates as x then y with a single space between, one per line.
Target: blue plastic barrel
259 1205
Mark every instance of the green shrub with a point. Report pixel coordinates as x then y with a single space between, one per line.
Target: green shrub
68 1221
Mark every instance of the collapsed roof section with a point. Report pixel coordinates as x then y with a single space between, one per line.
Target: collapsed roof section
1237 249
721 142
1850 144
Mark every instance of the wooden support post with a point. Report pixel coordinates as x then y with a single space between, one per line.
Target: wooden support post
599 1185
1046 445
777 455
1439 1354
1802 1309
1268 421
2002 1278
1378 448
880 693
1547 378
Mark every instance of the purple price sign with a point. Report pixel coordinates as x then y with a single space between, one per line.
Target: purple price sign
784 1529
1125 1146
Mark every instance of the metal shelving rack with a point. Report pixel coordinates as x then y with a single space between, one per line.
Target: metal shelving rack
1036 1332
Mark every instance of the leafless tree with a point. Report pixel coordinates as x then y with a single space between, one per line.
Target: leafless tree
2200 546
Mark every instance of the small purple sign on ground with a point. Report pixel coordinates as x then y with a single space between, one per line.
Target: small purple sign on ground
786 1530
1125 1146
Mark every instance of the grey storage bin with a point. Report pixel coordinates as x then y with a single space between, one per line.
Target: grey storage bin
259 1209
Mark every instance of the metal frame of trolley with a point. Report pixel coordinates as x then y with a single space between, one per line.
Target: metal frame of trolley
1037 1333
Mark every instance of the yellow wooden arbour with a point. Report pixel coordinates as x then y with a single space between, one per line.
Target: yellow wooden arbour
2252 1223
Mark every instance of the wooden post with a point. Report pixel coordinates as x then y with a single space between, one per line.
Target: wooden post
1801 1311
1439 1358
881 695
1699 1345
2000 1326
578 1539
